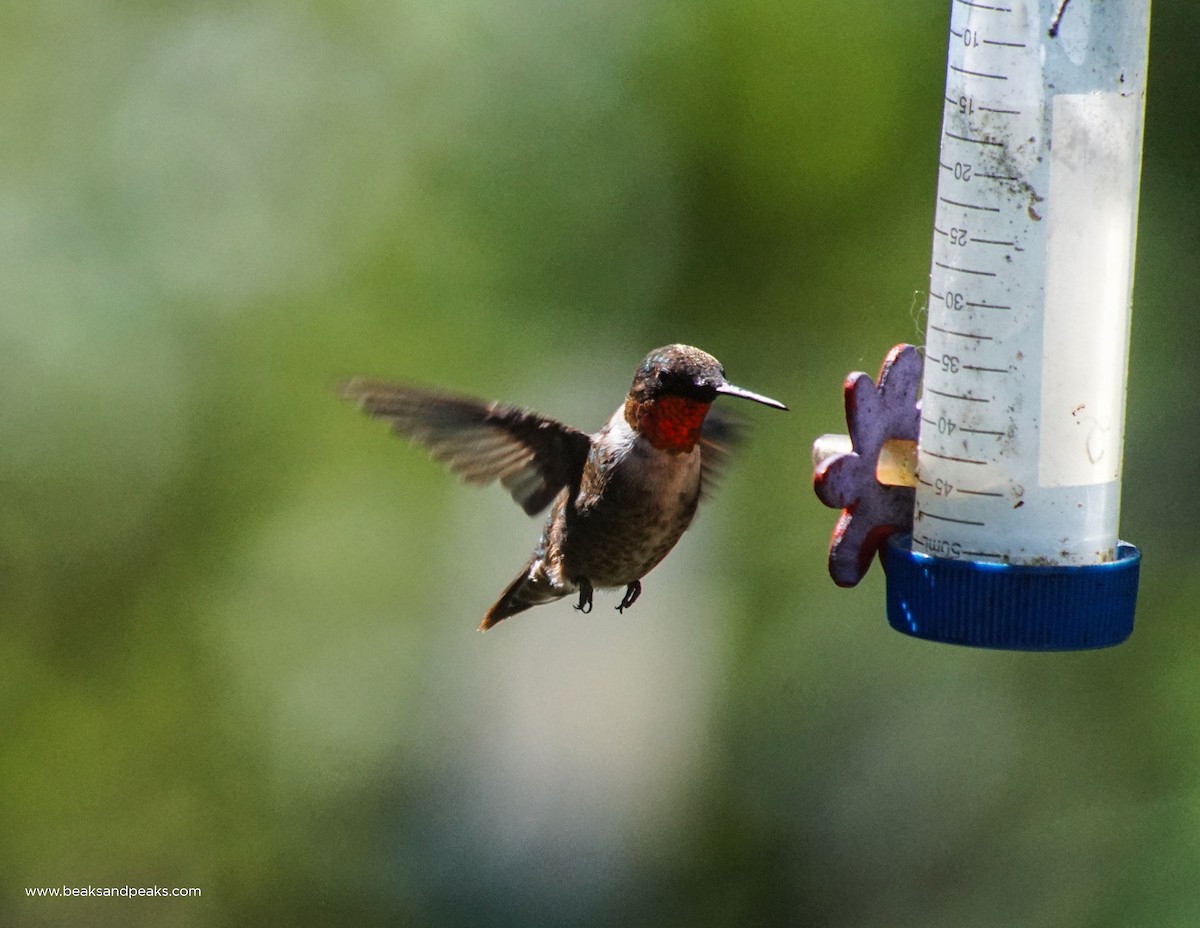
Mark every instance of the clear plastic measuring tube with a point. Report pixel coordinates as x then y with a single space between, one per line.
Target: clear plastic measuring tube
1023 399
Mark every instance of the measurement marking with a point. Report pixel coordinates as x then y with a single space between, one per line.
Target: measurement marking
986 209
991 241
944 546
986 306
944 166
934 515
982 338
982 6
940 231
990 77
937 296
979 492
964 270
967 138
985 370
1005 44
957 396
921 539
993 109
931 543
950 457
924 482
982 431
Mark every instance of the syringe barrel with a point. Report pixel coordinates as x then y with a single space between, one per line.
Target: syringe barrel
1023 400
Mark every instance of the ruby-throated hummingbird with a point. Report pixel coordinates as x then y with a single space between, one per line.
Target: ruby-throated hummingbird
622 497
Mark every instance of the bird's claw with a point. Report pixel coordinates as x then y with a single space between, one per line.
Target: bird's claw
585 597
632 592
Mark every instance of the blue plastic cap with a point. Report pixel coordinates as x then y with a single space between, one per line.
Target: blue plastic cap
1009 606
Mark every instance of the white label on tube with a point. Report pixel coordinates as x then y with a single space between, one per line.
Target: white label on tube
1089 272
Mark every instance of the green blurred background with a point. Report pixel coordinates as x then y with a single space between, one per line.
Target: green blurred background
239 646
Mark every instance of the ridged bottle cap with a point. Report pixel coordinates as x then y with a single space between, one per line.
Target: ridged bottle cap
1014 607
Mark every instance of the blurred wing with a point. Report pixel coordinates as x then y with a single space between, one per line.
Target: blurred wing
533 457
721 433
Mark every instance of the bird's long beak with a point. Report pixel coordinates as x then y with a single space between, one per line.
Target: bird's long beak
729 389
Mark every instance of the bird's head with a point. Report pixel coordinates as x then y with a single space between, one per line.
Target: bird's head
672 391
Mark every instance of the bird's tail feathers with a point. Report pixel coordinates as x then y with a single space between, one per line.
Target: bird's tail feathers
531 588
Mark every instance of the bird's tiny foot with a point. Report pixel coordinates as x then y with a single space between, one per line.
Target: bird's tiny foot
632 592
585 597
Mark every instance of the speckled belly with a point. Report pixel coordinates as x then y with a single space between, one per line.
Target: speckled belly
640 516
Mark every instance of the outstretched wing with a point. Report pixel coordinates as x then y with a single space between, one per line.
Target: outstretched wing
720 435
533 457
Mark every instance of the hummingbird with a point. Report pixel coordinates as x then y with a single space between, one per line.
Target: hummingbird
622 497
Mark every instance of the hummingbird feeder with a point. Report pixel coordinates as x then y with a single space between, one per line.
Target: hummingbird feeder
993 500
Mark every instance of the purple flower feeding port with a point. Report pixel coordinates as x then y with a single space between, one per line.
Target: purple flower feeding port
871 511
